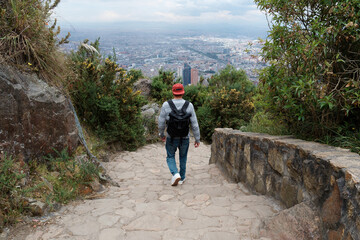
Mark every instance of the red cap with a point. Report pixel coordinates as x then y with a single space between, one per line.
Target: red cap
178 89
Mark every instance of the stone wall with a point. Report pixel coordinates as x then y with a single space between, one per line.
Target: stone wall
295 171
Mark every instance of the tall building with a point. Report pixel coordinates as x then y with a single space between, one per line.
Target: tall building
194 76
179 72
186 74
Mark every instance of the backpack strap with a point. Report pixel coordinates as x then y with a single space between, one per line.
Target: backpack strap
185 106
172 106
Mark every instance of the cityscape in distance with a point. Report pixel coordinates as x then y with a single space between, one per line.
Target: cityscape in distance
206 53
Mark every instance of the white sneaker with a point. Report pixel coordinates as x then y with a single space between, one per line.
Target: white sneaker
181 181
175 179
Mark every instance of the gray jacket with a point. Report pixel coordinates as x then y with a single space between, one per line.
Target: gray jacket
164 116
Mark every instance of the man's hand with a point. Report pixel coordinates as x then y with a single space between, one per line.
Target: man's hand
197 144
163 139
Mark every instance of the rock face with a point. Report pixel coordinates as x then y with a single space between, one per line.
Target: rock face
34 117
295 171
150 114
144 86
150 110
298 222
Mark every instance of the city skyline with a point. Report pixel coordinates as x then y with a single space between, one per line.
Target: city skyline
149 43
150 53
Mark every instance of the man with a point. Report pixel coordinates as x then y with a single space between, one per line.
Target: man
178 139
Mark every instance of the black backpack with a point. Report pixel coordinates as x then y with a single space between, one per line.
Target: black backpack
178 124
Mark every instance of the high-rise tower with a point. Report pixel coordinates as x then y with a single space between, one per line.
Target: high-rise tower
194 76
179 72
186 74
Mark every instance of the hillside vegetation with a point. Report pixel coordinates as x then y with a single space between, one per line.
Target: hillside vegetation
313 82
28 42
311 90
29 37
104 98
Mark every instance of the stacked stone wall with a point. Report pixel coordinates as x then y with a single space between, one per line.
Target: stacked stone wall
295 171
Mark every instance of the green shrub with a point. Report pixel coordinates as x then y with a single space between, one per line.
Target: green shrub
265 122
27 40
207 122
161 86
103 95
160 92
197 95
232 108
134 73
226 103
313 80
224 108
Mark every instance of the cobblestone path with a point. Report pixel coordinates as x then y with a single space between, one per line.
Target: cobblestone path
145 206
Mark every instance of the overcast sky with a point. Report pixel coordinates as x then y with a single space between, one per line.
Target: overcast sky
242 12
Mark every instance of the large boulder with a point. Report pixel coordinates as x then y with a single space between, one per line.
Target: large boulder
144 86
35 118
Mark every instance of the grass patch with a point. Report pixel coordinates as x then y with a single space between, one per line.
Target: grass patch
151 129
63 178
10 192
265 122
349 139
29 37
51 180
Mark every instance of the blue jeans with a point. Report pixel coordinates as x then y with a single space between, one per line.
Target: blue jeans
171 146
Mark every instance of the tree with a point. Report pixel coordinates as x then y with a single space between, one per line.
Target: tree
161 85
314 50
231 78
226 103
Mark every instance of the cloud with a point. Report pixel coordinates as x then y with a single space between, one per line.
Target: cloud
178 11
112 16
223 16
